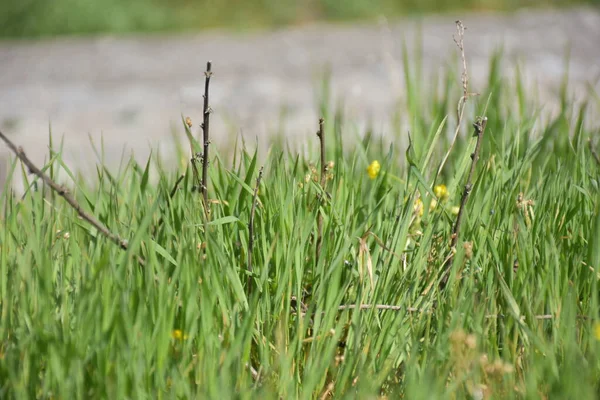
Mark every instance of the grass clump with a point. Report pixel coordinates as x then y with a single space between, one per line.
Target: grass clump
183 312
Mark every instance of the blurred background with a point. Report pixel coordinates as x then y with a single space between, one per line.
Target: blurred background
35 18
122 73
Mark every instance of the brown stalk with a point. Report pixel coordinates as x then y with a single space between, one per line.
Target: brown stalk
388 307
377 307
460 109
251 230
479 126
321 135
64 193
205 136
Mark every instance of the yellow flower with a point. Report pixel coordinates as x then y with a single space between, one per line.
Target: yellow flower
454 210
441 192
373 169
178 334
597 330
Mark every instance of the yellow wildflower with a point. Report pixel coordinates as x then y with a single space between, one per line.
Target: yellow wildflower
597 330
454 210
178 334
373 169
441 191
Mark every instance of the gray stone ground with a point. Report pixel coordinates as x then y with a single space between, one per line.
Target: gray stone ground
133 90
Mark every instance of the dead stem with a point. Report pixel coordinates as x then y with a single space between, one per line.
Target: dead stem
479 126
251 230
64 193
460 109
321 135
205 137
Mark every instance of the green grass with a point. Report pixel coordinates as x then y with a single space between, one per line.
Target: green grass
34 18
81 319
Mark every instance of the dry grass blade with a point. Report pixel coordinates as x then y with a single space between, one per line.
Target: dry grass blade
460 108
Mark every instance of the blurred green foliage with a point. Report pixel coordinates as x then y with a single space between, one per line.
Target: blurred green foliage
33 18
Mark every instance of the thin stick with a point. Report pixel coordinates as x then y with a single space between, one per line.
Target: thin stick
205 136
321 135
64 193
251 230
479 126
460 109
414 309
377 307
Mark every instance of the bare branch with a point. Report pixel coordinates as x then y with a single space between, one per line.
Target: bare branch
64 193
205 136
321 135
251 230
460 108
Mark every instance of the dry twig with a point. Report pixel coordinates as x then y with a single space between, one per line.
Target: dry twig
64 193
321 135
460 108
205 137
251 230
479 126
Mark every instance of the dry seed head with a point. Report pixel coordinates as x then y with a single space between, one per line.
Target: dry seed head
188 121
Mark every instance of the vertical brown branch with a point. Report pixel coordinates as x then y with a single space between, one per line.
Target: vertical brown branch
205 136
321 135
251 230
479 126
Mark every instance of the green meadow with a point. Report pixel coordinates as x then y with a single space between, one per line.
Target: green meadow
348 285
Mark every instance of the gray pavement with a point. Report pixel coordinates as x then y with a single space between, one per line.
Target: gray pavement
132 90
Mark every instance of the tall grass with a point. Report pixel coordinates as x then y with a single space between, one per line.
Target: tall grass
80 318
